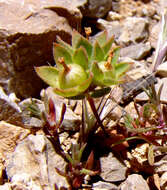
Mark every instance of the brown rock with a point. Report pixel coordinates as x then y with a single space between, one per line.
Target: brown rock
27 31
10 136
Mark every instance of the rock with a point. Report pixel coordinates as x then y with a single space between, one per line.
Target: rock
28 120
163 180
143 97
10 136
162 70
104 186
6 186
154 34
141 152
96 8
136 182
134 30
138 69
114 16
9 110
131 31
37 155
112 104
30 28
161 165
137 51
17 113
113 28
112 169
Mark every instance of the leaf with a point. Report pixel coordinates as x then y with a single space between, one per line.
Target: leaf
76 36
100 92
121 69
59 51
69 158
151 155
90 161
52 111
159 94
102 38
65 45
63 111
110 81
89 172
115 57
146 111
98 74
81 152
107 46
78 41
49 75
128 121
98 54
80 57
161 48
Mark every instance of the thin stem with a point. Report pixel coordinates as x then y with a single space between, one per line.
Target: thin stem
94 110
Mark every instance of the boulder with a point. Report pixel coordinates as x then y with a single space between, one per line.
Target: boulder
27 32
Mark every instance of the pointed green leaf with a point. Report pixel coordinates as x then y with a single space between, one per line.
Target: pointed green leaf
121 69
65 45
98 54
128 121
81 152
48 74
76 36
69 159
102 38
60 51
110 81
107 46
81 88
78 40
98 74
80 57
110 74
115 56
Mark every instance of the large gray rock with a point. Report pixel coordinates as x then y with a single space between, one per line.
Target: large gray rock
136 182
27 32
33 165
131 31
135 30
136 51
112 169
